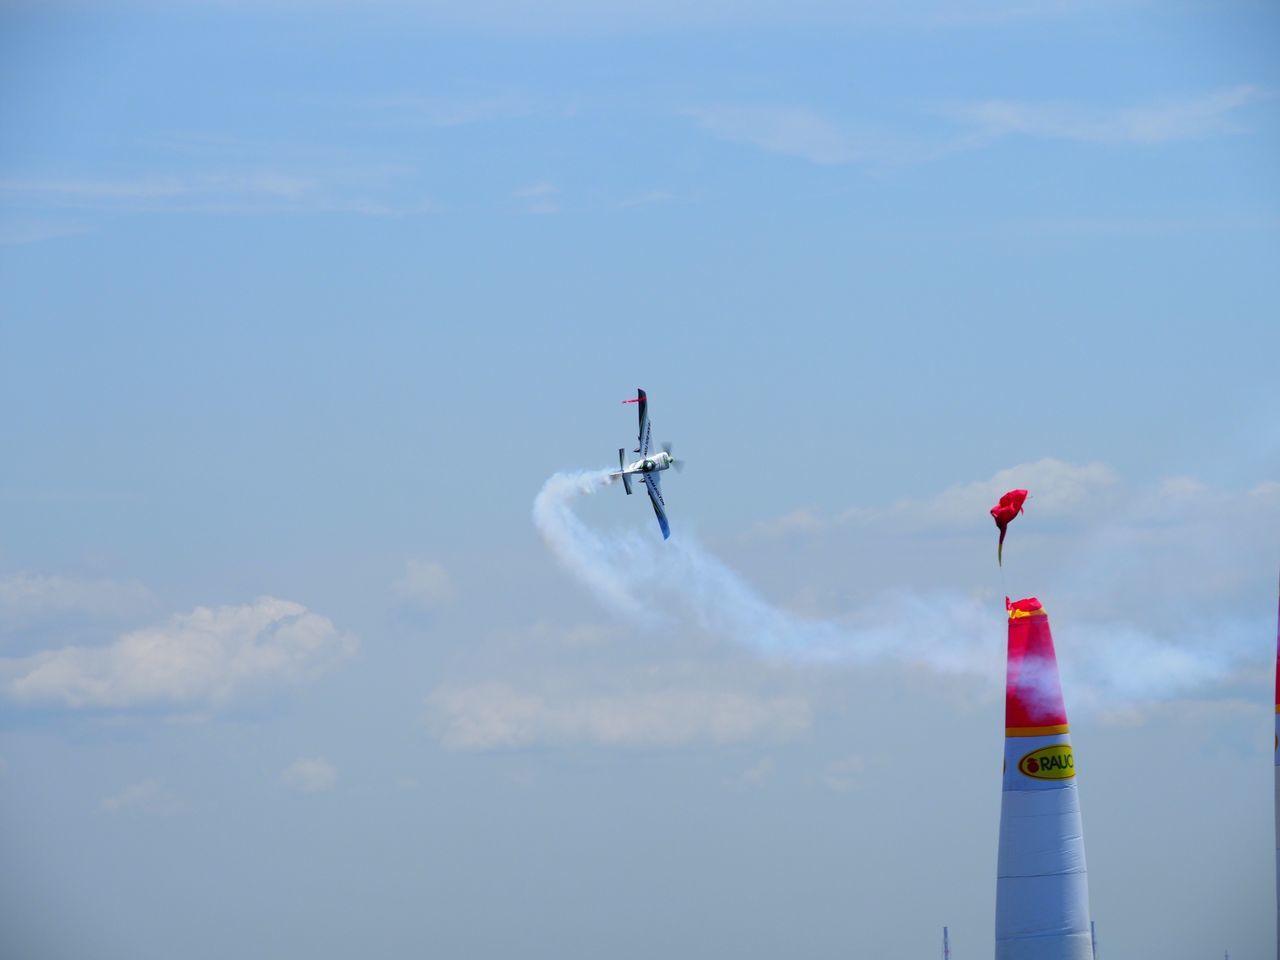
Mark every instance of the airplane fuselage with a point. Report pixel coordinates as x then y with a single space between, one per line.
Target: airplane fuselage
652 463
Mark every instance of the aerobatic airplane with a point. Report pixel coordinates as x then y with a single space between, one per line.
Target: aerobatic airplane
648 468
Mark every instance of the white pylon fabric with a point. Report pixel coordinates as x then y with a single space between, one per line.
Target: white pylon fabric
1042 889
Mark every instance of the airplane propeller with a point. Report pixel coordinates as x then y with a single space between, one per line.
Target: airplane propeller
678 464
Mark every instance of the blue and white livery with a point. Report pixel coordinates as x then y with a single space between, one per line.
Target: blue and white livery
650 465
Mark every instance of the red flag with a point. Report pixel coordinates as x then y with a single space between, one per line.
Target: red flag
1010 506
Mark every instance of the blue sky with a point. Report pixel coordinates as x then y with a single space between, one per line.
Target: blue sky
303 304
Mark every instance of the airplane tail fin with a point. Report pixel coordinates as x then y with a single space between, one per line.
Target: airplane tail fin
622 467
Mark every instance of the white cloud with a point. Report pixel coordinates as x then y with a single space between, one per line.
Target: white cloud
1180 489
1181 119
539 198
350 189
493 716
803 132
207 656
17 232
648 198
148 797
425 583
845 774
310 775
458 111
153 188
1058 489
1267 491
27 598
803 520
548 638
758 772
794 131
1087 497
985 13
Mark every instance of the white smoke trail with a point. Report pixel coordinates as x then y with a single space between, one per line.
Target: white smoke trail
583 552
643 577
1105 666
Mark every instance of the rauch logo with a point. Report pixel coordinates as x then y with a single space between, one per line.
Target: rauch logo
1049 763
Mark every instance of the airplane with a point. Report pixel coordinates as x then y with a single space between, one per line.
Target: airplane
648 468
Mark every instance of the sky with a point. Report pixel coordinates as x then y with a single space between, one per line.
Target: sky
303 307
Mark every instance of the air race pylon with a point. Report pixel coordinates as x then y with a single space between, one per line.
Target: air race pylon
1042 888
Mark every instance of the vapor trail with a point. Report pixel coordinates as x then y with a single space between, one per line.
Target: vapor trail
1105 665
641 577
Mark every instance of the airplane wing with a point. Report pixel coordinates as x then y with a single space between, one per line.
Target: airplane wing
643 439
659 507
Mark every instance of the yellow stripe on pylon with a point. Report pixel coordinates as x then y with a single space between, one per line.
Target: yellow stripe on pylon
1053 731
1016 614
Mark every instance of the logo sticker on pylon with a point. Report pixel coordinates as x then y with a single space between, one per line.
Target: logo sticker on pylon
1049 763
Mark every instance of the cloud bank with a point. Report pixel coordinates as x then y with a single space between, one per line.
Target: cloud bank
149 797
490 716
208 656
1185 118
28 598
809 134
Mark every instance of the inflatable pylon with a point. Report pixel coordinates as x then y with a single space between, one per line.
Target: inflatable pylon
1042 888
